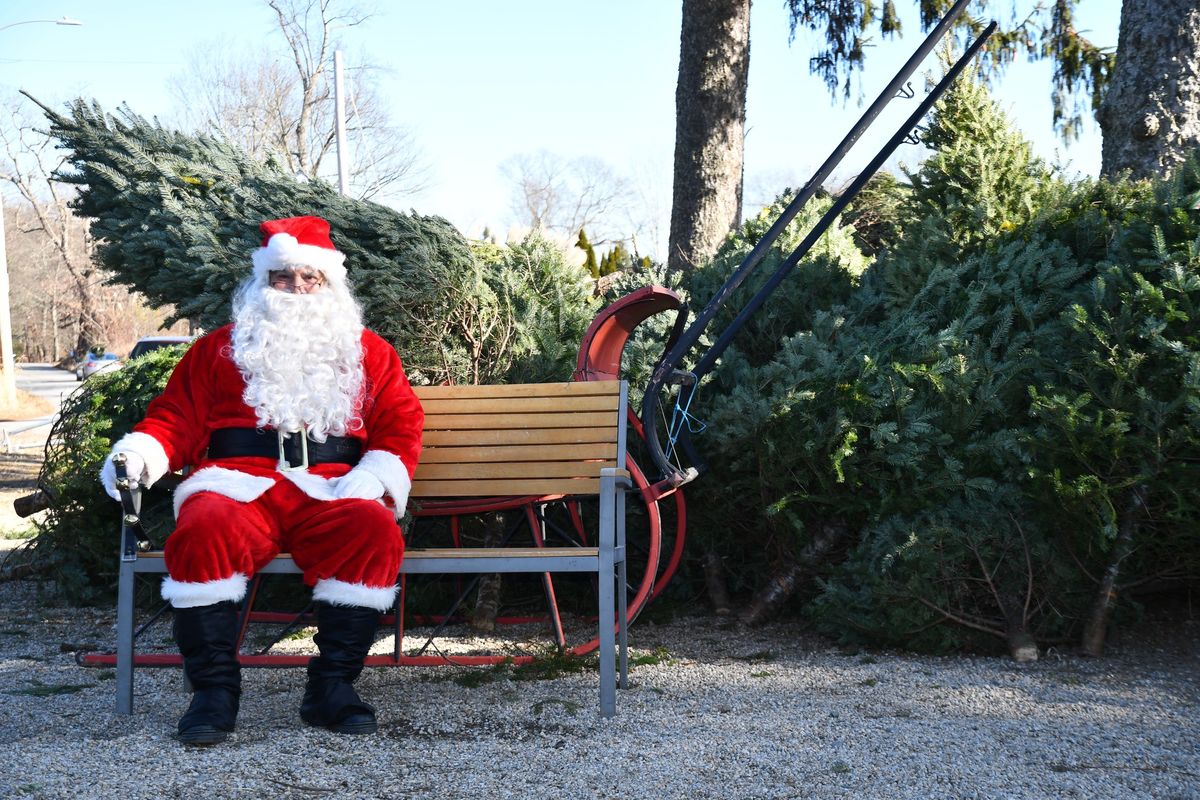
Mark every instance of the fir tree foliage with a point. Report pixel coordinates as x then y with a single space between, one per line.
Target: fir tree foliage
825 276
737 397
589 254
875 213
543 305
983 408
76 543
616 260
176 218
997 409
980 181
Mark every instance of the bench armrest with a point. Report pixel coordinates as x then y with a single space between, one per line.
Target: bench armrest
623 478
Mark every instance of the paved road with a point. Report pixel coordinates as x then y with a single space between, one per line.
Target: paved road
46 380
43 380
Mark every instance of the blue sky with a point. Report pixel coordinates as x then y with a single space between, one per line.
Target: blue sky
478 82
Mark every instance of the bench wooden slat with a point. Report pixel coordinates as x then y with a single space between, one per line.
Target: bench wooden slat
419 553
526 437
512 469
519 405
464 422
505 488
515 453
566 389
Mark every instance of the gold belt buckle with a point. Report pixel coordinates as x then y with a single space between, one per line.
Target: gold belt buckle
284 465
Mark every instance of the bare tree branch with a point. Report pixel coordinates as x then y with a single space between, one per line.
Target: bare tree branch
282 105
560 195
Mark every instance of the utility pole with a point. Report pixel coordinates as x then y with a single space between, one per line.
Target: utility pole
6 343
339 103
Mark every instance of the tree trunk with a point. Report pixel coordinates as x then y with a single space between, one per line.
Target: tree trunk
32 503
1150 116
787 575
710 119
1096 627
1021 644
714 580
487 600
91 332
56 343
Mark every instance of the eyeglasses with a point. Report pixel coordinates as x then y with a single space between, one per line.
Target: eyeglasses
301 282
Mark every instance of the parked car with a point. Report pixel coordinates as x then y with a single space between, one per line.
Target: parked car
148 343
92 364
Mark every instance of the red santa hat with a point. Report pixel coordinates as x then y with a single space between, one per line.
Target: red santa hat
298 242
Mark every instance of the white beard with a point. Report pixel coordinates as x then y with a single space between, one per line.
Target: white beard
301 358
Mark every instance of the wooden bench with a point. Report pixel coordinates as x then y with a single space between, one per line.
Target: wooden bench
490 442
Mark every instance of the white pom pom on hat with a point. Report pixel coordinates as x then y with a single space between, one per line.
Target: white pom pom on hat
298 242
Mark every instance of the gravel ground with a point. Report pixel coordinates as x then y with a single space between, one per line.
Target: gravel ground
724 714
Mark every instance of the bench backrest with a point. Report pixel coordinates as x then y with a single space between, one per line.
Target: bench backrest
519 439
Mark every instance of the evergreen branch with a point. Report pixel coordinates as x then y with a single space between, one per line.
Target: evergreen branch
961 620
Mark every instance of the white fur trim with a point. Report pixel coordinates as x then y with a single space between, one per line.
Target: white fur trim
229 483
283 251
392 473
189 594
314 486
341 593
150 451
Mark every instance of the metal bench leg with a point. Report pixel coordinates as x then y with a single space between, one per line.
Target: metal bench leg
125 639
608 667
622 593
607 585
398 619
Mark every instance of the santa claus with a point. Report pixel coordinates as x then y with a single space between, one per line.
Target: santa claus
302 434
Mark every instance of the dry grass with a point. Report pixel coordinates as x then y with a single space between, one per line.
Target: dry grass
20 470
18 477
19 467
28 406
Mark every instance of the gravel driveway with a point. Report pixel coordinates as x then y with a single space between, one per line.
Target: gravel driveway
719 714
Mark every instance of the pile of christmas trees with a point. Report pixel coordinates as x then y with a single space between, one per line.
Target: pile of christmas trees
987 434
176 216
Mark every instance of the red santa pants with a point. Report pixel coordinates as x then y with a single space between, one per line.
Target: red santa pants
349 549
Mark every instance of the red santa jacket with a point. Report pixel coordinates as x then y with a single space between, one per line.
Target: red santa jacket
205 392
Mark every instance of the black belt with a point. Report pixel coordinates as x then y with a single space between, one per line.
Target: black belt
239 442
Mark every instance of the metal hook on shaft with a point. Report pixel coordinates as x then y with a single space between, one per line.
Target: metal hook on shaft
914 136
906 91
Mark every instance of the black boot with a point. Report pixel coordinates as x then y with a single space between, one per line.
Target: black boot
207 638
344 637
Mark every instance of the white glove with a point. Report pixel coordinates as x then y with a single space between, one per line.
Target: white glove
135 467
359 483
